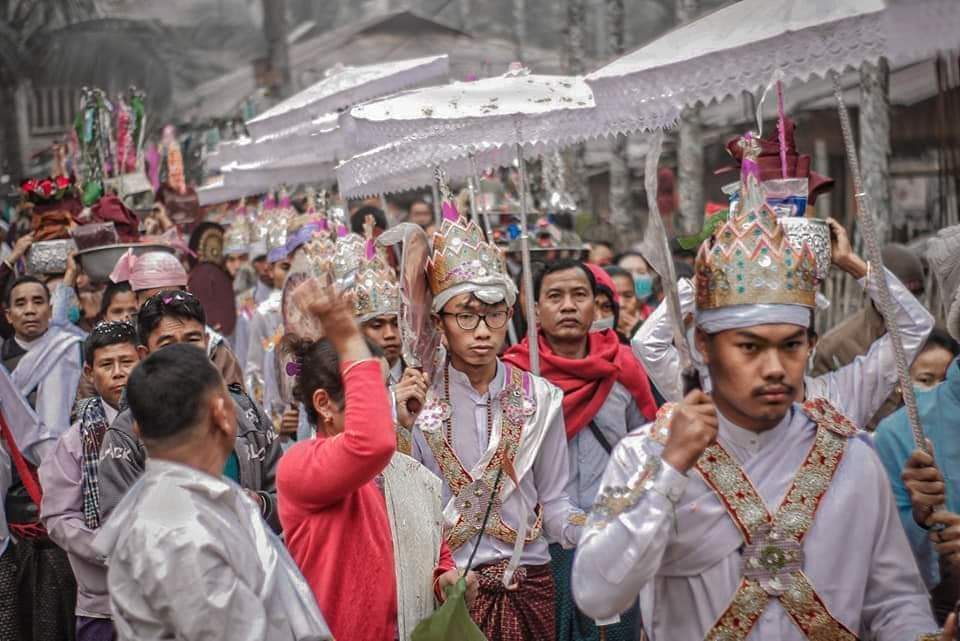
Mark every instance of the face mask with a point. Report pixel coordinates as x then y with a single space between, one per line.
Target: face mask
643 286
921 387
73 313
602 324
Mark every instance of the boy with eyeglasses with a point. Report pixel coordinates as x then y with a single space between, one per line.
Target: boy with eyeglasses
493 432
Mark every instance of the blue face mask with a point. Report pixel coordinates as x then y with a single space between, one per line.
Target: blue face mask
73 313
643 286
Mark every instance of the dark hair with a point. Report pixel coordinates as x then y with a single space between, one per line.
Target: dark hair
168 303
419 201
319 368
111 292
23 280
106 334
683 270
616 270
359 216
603 243
561 265
939 337
166 391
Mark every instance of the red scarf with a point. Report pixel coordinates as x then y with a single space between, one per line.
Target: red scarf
586 382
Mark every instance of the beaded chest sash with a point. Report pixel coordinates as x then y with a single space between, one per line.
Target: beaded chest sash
773 543
472 496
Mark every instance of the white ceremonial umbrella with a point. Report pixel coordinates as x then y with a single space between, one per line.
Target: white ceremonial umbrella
346 86
750 44
742 46
518 110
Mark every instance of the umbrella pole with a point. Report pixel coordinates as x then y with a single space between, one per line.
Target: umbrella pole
484 212
472 191
868 231
527 274
437 216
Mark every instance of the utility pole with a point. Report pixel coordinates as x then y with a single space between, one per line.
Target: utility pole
619 162
278 49
689 147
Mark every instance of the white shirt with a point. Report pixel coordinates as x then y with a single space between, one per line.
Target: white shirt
687 571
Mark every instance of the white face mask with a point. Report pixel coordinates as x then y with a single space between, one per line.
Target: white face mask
602 324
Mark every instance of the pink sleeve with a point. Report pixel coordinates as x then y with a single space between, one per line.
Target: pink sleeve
317 473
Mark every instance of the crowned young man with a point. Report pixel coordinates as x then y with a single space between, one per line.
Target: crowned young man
493 432
730 515
376 303
266 329
858 389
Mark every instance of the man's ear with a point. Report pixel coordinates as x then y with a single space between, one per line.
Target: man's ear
87 370
220 418
701 339
142 351
437 322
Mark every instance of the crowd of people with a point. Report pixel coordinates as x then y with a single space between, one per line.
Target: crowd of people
278 458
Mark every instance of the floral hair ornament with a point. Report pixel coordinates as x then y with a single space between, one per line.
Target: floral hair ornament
294 368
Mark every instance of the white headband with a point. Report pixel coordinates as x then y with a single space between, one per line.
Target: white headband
740 316
492 290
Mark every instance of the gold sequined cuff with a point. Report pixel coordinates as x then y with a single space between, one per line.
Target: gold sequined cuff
577 518
933 636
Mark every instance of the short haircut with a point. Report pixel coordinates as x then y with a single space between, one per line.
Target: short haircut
166 391
419 201
171 303
358 217
562 265
106 334
319 368
111 292
23 280
939 337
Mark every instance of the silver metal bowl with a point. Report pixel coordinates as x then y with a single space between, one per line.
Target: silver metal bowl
49 257
813 232
98 262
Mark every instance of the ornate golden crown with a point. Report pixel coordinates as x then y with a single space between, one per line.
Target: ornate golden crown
376 291
750 260
461 254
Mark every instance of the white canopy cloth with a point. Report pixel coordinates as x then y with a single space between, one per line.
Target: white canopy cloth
515 108
740 47
401 166
345 86
258 177
216 192
321 138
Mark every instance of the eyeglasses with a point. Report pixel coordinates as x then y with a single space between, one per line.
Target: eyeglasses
470 321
